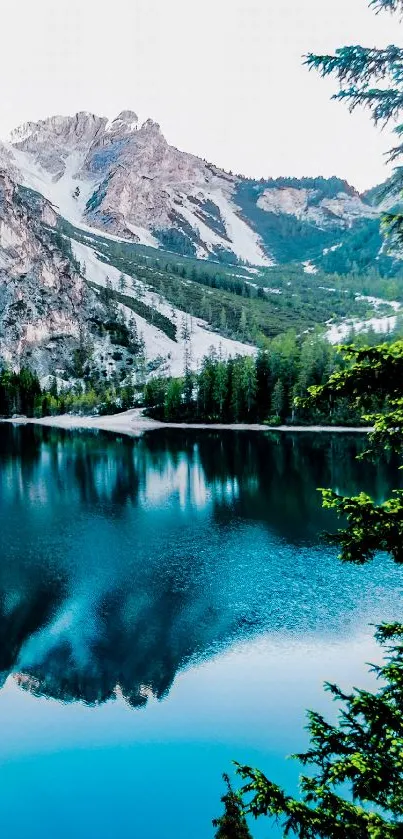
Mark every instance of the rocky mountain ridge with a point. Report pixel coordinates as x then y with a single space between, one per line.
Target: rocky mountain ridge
124 179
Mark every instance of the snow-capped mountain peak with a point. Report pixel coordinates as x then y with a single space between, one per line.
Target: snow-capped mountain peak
124 179
125 120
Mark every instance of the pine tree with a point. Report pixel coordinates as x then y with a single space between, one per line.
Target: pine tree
243 323
232 824
185 331
173 399
373 79
249 382
278 399
133 330
264 385
53 389
188 385
206 384
354 789
107 298
220 387
237 391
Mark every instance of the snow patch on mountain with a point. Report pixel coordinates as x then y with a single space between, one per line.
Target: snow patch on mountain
309 267
378 301
239 238
126 180
122 179
46 310
337 333
245 243
67 194
126 120
157 344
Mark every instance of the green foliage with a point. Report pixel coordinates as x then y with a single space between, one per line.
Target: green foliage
335 250
252 389
155 392
173 399
370 529
359 252
286 237
388 5
372 372
372 79
354 789
324 187
232 824
19 392
278 399
177 241
98 398
110 297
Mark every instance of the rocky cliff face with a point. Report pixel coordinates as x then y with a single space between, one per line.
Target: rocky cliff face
50 142
40 296
47 312
124 178
127 180
309 205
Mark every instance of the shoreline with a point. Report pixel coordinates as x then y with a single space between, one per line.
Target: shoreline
134 423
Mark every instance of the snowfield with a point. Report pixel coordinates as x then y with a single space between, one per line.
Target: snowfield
338 333
241 239
60 193
381 325
377 301
157 344
245 243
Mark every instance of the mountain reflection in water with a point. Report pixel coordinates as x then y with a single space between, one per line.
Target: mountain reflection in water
123 560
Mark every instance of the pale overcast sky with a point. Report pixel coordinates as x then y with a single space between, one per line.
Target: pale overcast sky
222 77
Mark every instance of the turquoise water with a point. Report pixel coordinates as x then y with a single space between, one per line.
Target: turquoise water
167 605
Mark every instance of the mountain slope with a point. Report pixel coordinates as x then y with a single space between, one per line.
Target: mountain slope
125 180
129 182
298 218
169 333
43 302
50 320
64 312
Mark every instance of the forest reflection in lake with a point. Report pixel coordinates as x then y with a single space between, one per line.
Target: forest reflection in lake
126 563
